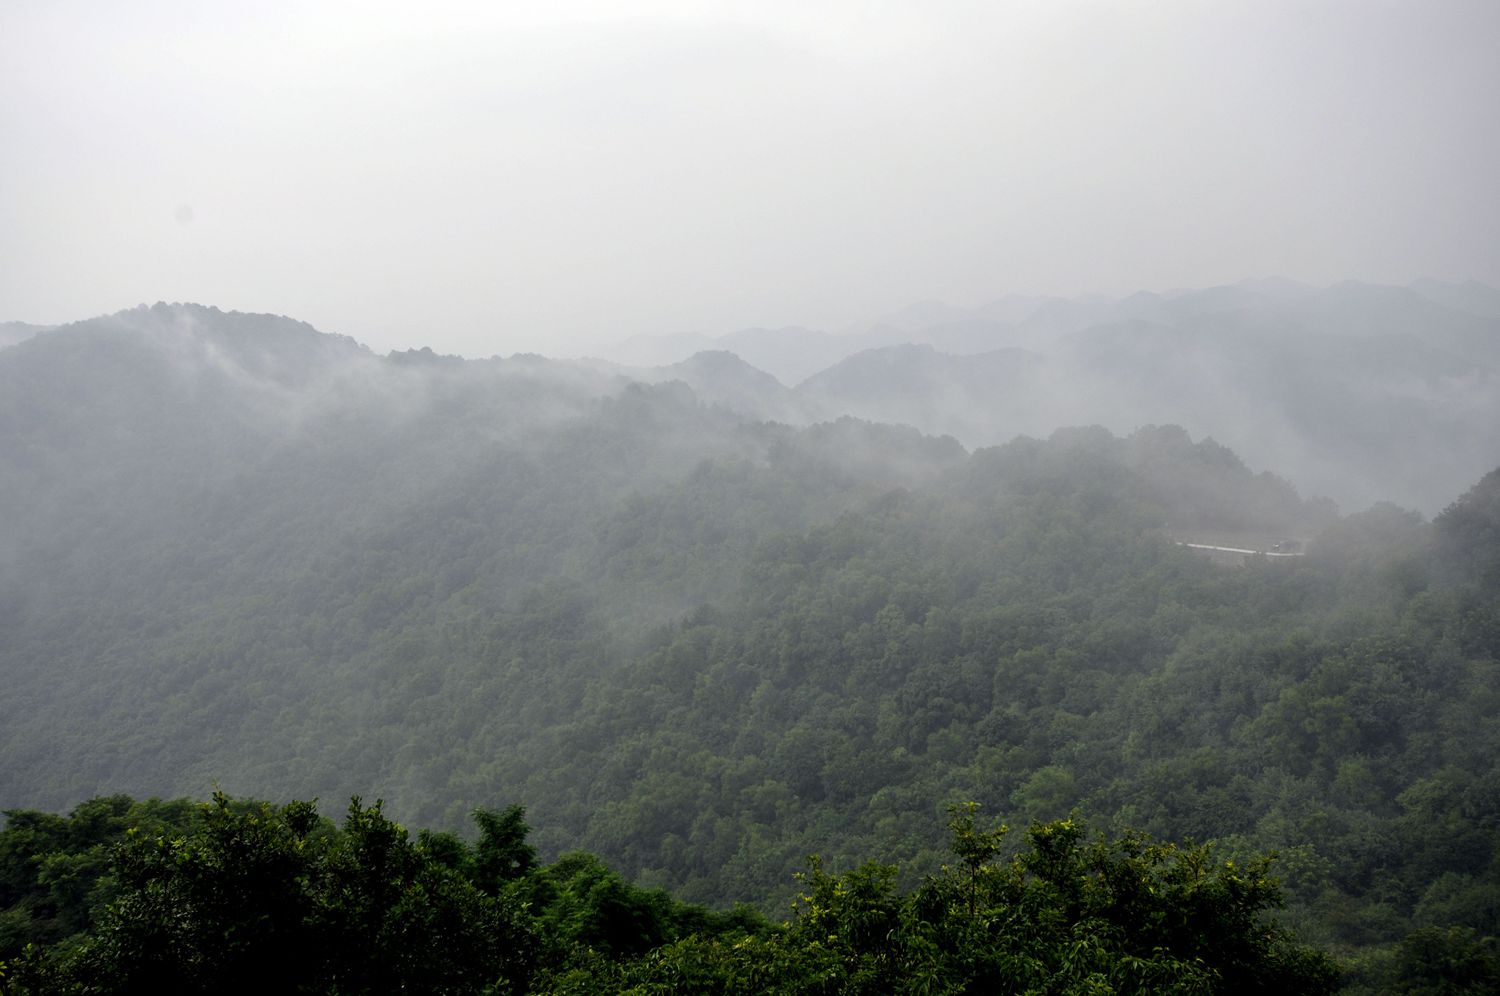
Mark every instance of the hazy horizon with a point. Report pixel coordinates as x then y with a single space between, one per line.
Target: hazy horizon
554 177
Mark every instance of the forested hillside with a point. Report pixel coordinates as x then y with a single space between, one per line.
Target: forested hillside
240 554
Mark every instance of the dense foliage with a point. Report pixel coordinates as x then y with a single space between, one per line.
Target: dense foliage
702 647
247 897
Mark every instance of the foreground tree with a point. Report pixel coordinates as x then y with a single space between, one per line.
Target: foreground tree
246 897
277 900
1070 914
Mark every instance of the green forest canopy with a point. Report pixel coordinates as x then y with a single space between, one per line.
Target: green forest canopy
167 897
703 648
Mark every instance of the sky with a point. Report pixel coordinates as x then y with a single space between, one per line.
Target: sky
497 177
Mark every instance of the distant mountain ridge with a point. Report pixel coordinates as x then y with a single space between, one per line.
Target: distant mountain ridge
14 332
794 353
1361 392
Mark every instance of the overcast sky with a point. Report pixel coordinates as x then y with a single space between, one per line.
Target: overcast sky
486 178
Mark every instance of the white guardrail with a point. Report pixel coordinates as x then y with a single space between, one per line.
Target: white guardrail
1235 549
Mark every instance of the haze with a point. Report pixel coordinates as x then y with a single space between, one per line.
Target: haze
491 178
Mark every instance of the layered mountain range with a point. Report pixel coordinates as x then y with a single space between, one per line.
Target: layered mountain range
705 623
1358 392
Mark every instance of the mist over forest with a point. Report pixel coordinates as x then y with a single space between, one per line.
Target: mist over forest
1357 392
833 499
703 608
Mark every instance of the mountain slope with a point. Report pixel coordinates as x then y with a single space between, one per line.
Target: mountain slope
704 646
